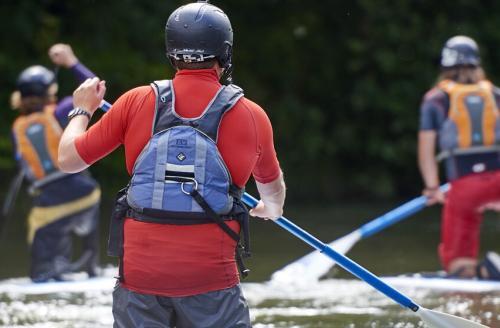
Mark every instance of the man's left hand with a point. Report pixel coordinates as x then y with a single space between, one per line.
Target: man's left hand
89 94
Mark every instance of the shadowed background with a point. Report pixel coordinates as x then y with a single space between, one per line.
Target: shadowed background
341 80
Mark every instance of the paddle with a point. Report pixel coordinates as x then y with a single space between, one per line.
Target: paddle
10 199
312 266
430 317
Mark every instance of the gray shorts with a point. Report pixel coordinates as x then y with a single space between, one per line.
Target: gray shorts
225 308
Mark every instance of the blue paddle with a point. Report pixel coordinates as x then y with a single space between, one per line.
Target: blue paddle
314 265
430 317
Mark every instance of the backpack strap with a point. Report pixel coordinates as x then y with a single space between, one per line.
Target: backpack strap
245 248
447 86
224 101
164 116
208 122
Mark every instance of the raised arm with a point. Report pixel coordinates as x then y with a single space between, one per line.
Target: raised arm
87 97
62 55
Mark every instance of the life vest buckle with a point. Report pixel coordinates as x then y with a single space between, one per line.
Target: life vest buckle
195 186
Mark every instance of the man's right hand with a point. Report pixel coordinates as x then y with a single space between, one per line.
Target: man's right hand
272 196
434 196
89 94
268 210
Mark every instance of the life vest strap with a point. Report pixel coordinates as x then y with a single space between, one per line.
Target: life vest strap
235 236
467 151
170 217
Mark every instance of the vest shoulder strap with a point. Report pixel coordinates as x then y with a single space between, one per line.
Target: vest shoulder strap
208 122
446 85
450 86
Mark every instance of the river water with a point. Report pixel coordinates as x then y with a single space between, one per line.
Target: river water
338 300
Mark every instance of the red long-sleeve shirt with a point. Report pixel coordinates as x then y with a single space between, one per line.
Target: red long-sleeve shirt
172 260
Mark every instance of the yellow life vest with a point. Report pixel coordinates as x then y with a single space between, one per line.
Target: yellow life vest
473 118
37 136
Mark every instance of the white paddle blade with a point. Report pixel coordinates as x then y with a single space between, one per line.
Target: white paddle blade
314 265
435 319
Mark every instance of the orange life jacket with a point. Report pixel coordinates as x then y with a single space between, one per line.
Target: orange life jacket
37 136
473 117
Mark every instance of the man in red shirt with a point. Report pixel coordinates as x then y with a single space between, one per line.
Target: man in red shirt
181 275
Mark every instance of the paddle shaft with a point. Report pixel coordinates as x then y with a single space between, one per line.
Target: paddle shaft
10 199
397 214
105 106
342 260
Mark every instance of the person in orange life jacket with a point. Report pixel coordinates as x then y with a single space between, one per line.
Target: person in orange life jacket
460 113
63 204
180 136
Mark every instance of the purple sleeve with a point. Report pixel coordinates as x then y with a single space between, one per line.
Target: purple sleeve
63 108
81 72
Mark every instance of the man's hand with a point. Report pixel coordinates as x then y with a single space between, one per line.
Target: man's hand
62 55
272 199
89 94
267 210
434 195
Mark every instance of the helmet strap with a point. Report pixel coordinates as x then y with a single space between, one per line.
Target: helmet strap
227 78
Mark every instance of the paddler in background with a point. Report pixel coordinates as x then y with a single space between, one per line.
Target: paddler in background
63 204
460 113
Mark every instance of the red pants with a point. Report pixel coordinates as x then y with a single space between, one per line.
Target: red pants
461 218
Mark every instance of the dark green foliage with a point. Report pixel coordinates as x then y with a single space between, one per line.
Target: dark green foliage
340 80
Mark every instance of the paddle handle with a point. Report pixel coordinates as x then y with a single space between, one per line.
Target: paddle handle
105 106
397 214
342 260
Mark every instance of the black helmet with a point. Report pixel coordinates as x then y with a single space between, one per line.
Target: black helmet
35 81
198 32
460 50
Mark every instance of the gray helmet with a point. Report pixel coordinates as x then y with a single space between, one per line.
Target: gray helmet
198 32
460 50
35 81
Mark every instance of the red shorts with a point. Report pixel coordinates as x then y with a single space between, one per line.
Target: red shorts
461 218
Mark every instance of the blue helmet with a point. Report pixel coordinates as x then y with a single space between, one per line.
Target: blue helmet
460 50
198 32
35 81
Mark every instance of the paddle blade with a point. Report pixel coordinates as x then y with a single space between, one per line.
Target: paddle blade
435 319
311 267
13 191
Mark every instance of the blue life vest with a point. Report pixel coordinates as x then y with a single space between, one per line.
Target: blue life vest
180 176
180 157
